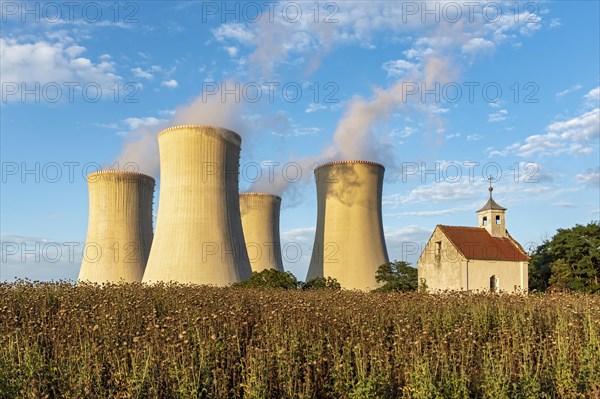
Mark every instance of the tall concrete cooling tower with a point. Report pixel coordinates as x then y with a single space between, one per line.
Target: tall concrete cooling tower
119 227
349 241
198 236
260 220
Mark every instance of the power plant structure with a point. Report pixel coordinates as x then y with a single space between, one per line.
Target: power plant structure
207 232
349 242
119 232
260 220
198 237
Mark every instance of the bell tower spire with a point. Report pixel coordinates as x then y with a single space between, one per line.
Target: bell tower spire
492 216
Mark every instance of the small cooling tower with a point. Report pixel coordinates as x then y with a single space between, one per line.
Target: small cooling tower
260 220
349 241
198 236
119 227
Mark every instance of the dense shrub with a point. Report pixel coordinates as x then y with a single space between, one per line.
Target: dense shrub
397 276
322 283
270 278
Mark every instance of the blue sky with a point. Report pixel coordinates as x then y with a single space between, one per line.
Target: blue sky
441 94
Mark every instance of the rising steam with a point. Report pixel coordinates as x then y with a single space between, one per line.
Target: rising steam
355 137
142 146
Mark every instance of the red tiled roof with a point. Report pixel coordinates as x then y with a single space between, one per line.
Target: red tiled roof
477 243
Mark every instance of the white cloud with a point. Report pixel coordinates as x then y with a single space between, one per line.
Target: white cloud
476 45
591 178
169 83
506 27
564 204
108 125
569 90
438 199
232 51
418 53
498 116
312 107
403 133
306 131
74 51
579 129
521 193
433 213
407 233
297 249
166 112
532 172
302 235
42 62
474 137
397 68
39 259
406 243
280 41
135 123
140 73
233 31
554 23
278 123
433 192
578 136
592 98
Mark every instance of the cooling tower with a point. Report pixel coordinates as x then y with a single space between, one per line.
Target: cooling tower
119 227
198 237
260 220
349 241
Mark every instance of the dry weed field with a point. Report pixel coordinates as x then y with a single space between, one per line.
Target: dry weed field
58 340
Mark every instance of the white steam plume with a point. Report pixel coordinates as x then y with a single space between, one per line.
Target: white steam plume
355 137
142 146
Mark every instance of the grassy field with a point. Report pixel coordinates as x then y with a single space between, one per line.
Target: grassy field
62 341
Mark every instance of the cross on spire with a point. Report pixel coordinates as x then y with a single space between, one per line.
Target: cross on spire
491 204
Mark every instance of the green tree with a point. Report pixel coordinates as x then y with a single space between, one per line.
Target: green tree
539 267
397 276
321 283
270 278
570 259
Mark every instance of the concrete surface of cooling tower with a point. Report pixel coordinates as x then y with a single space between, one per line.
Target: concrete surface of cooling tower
349 242
119 227
198 237
260 220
